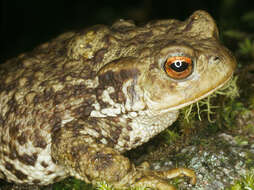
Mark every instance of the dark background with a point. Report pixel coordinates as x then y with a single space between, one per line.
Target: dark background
25 23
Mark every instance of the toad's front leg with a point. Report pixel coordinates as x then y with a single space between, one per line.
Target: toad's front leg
92 162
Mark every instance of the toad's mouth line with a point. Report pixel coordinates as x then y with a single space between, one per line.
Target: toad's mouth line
196 99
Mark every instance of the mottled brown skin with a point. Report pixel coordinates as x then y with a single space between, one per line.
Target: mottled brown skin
71 106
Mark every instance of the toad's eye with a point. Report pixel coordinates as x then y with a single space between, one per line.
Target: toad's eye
178 67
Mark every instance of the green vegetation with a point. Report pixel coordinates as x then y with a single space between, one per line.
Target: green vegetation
72 184
105 186
246 47
229 90
75 184
245 183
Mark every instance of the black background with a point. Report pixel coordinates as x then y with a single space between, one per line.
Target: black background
25 23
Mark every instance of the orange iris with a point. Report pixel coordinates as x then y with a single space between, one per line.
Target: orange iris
178 67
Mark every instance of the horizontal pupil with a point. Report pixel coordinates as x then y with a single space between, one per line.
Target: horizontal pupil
179 66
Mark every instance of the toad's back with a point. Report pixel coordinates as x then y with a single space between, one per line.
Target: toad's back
70 103
28 114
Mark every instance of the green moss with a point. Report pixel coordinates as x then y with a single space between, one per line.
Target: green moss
246 47
251 101
230 90
170 136
245 183
75 184
72 184
104 186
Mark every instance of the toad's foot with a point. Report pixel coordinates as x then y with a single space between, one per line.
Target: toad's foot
178 172
158 179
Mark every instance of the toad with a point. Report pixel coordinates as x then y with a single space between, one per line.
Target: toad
73 105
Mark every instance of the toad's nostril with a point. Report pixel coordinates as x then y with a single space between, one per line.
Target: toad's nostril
216 58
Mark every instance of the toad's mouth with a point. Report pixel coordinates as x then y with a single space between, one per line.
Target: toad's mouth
200 96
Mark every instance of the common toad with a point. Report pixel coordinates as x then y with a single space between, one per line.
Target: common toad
73 105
